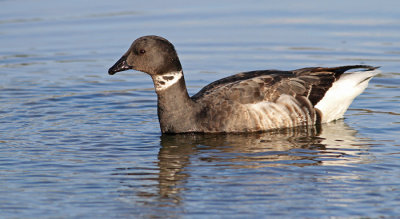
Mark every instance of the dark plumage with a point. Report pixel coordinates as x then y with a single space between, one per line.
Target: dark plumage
244 102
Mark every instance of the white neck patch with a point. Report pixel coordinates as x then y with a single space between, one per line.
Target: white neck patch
162 82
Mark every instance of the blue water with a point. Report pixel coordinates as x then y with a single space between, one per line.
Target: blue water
78 143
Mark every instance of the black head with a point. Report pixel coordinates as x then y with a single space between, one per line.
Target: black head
153 55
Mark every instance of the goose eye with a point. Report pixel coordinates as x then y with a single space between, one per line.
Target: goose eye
142 51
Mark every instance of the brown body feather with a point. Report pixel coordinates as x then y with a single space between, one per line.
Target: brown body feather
228 103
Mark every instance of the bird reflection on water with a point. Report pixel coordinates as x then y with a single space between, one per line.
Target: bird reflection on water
183 156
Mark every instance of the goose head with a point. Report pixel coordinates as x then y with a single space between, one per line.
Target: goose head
153 55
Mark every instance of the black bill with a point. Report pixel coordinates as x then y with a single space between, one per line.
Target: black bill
120 65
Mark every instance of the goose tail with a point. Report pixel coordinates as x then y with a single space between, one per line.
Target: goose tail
342 93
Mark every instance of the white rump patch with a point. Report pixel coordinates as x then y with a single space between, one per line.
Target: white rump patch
162 82
342 93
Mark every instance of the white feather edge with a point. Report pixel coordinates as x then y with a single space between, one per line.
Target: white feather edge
342 93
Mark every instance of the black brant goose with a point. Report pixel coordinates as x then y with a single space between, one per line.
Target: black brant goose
245 102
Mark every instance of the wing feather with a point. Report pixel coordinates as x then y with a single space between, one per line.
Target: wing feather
269 85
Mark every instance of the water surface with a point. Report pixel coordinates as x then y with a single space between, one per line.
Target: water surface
76 142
